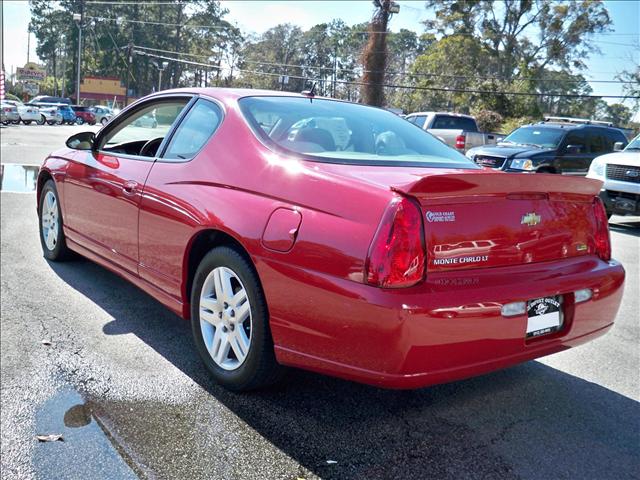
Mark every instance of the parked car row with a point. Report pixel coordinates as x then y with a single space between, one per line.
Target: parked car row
41 112
561 145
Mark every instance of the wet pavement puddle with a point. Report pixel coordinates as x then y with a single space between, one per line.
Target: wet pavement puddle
87 451
18 178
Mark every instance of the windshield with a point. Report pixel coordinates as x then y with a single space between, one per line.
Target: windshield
635 144
340 132
538 136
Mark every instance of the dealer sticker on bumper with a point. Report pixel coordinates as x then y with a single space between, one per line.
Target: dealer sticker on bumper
544 316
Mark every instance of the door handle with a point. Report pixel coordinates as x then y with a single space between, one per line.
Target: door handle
129 187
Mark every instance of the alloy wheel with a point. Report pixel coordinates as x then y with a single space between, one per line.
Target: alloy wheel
49 219
225 318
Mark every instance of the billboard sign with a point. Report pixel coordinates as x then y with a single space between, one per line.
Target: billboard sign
30 74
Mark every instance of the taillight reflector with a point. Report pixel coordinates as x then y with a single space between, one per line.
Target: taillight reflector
460 142
602 238
397 254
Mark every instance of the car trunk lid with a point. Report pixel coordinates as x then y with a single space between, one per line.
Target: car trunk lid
490 219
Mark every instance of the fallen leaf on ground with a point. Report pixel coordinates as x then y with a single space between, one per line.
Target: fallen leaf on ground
50 438
331 462
46 342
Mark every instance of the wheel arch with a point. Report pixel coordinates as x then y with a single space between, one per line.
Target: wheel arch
199 245
43 177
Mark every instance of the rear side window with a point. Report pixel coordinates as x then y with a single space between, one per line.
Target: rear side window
577 138
198 125
598 142
341 132
616 136
449 122
418 120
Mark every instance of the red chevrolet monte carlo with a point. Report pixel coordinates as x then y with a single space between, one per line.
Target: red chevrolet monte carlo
308 232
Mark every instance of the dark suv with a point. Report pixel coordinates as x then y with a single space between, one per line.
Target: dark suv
549 147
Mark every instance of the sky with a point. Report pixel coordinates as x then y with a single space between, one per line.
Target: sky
620 48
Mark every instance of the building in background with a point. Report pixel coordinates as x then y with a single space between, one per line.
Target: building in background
103 90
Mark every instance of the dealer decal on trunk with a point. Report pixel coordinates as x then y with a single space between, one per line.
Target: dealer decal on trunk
440 216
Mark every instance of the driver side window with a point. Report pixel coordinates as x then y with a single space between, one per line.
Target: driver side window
142 132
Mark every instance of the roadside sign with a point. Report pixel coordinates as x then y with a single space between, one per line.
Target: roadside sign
29 74
32 88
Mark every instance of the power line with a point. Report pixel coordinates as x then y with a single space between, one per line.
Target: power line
147 22
219 27
406 87
407 74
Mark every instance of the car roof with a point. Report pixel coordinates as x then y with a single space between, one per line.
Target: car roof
450 114
224 94
570 126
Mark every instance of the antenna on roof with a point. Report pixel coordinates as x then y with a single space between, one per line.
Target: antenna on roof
310 93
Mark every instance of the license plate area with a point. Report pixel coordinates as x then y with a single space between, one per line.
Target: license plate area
544 316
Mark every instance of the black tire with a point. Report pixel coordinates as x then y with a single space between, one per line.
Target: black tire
42 120
260 367
6 122
79 121
51 122
60 251
26 122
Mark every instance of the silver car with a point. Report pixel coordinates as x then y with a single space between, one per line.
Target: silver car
9 113
50 115
27 113
103 114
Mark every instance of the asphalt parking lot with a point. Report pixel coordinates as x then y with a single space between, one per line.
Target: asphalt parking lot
86 355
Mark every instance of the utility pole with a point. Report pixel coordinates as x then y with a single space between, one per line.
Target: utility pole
129 60
28 44
335 70
79 17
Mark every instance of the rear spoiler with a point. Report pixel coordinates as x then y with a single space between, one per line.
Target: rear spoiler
491 183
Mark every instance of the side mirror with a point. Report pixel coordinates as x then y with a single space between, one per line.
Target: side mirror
81 141
618 147
572 149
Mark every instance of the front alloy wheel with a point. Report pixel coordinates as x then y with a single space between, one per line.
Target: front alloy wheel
52 238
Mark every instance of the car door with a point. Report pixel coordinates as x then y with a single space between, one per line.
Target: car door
575 162
103 187
167 218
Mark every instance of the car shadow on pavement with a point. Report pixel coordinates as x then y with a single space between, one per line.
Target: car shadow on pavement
530 421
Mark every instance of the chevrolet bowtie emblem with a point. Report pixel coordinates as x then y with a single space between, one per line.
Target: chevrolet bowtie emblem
530 219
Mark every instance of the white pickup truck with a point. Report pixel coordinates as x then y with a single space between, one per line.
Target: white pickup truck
620 172
456 130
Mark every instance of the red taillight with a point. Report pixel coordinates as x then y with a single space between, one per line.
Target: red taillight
601 237
397 256
460 141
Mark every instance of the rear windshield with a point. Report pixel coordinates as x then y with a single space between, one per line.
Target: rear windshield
339 132
448 122
537 136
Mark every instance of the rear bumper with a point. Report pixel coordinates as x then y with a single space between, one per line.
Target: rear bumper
446 329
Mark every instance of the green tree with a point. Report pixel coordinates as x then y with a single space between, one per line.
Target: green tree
618 114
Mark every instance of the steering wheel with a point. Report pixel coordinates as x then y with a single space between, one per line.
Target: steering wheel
150 148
